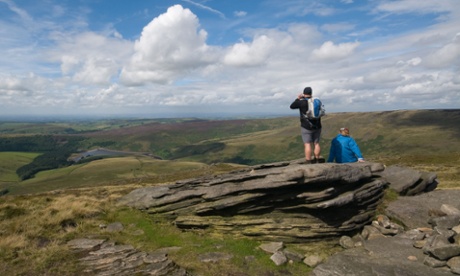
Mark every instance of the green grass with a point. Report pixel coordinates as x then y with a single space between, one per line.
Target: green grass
10 162
160 233
114 171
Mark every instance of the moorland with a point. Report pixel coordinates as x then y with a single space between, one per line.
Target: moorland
49 199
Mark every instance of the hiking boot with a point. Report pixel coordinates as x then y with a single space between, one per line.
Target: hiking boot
319 160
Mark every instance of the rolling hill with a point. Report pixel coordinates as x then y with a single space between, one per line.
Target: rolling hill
423 139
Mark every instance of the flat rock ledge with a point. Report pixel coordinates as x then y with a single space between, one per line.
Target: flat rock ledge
101 257
285 201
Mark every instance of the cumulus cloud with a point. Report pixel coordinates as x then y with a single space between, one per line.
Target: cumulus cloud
90 58
331 51
249 54
169 46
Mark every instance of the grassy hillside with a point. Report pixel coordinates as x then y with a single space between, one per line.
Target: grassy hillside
36 224
423 139
114 171
10 161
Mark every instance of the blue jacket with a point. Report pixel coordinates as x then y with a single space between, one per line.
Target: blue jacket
344 150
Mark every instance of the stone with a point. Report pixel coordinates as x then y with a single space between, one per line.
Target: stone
444 252
370 232
383 256
214 257
85 244
312 260
419 244
383 221
414 211
450 210
456 229
114 227
106 258
412 234
293 255
272 247
445 222
401 179
454 264
433 262
283 201
279 258
346 242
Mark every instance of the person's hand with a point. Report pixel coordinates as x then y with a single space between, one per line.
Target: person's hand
300 96
361 160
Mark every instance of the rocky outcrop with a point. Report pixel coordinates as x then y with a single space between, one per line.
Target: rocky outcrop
385 248
101 257
416 211
286 201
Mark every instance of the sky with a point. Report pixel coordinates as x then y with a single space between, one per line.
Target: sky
163 58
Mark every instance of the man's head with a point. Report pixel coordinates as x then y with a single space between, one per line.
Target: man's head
307 91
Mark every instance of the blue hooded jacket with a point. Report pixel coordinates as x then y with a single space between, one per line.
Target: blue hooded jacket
344 150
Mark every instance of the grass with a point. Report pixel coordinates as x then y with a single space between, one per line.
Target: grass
114 171
36 228
10 162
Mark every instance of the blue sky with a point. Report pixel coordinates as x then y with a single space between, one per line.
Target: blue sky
162 58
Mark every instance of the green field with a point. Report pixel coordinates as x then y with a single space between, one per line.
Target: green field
10 161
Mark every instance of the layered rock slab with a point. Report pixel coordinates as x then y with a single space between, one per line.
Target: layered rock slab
285 201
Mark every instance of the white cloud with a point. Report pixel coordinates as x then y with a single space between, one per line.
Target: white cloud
249 54
331 51
240 13
446 55
169 47
172 65
90 58
417 6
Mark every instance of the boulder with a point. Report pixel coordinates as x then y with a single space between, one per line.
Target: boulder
418 211
408 182
285 201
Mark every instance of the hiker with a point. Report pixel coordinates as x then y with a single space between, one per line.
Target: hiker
310 128
344 149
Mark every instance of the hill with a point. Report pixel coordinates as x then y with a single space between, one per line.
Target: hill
77 201
423 139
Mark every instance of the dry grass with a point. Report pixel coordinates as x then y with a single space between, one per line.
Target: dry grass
34 230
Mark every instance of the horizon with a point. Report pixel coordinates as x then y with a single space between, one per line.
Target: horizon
202 58
204 116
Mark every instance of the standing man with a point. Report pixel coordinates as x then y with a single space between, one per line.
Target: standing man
310 128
